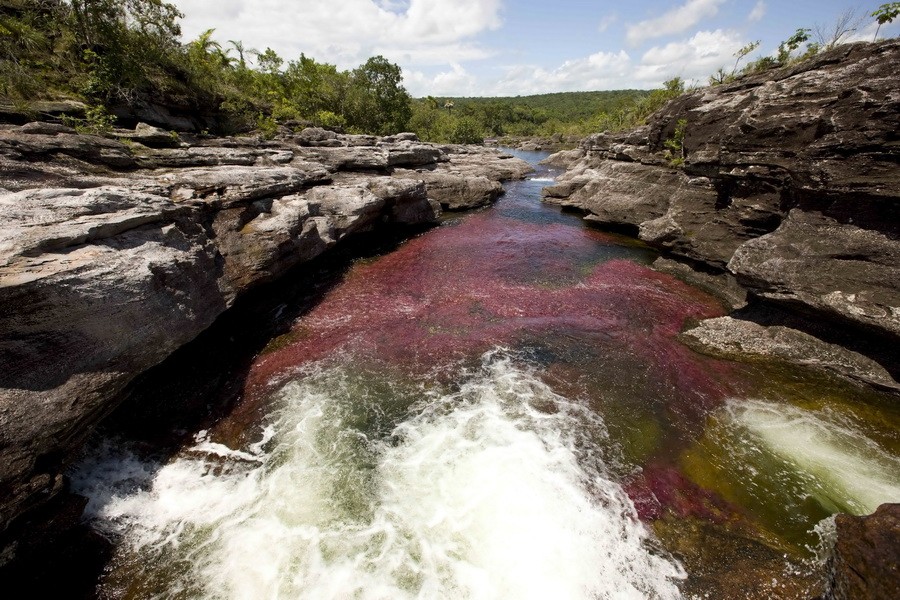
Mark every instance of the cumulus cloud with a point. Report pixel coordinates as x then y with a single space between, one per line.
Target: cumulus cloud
677 20
692 59
758 12
454 82
603 70
349 31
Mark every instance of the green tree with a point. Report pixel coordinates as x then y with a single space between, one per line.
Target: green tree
886 13
787 47
740 54
378 102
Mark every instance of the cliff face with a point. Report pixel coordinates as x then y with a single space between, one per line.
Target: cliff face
114 253
790 187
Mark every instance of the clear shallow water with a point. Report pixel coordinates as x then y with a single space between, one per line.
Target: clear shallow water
498 409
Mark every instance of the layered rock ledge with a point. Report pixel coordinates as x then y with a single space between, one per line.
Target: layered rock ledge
788 197
115 251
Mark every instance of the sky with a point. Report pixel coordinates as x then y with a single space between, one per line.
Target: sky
522 47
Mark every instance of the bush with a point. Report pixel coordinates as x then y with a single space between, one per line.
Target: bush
467 131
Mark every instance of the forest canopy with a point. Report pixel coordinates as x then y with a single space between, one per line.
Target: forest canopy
112 54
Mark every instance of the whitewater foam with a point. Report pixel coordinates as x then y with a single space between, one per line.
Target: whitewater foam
498 489
839 466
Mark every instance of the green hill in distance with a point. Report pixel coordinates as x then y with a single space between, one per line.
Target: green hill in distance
468 120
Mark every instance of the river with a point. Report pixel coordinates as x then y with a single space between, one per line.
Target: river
498 408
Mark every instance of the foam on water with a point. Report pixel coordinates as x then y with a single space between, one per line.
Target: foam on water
839 466
497 489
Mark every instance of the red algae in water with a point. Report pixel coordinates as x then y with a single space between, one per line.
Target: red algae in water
463 289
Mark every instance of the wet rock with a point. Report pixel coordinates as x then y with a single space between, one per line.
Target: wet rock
723 285
865 561
745 340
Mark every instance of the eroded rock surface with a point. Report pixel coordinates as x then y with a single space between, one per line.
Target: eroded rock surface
745 340
115 251
790 186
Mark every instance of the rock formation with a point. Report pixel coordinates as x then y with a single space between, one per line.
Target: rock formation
789 190
115 251
864 561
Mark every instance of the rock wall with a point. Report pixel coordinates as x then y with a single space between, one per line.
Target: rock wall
789 191
115 251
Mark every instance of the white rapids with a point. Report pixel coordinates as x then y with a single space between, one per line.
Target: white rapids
838 465
496 490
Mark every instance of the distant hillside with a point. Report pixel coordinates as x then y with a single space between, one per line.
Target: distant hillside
469 120
568 107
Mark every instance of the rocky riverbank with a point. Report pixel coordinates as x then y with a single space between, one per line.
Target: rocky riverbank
117 250
784 200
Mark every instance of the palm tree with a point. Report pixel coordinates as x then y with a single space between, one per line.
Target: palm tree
240 49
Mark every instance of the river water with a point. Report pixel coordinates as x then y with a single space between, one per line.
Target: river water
499 408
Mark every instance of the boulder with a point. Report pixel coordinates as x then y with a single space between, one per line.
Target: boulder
225 186
865 562
150 136
733 338
839 271
455 191
22 146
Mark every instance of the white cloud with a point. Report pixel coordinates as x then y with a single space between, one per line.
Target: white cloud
455 82
693 59
347 32
603 70
675 21
758 12
606 21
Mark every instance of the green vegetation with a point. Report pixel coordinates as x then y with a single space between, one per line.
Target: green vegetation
467 120
826 37
675 144
113 53
886 13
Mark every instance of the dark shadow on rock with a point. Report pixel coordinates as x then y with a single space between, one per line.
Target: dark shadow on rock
880 348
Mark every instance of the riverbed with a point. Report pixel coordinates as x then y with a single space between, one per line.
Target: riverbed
498 408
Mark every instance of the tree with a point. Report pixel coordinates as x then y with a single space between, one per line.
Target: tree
787 47
316 89
830 36
378 101
241 52
740 54
886 13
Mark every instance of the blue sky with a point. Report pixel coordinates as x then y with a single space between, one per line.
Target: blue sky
518 47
